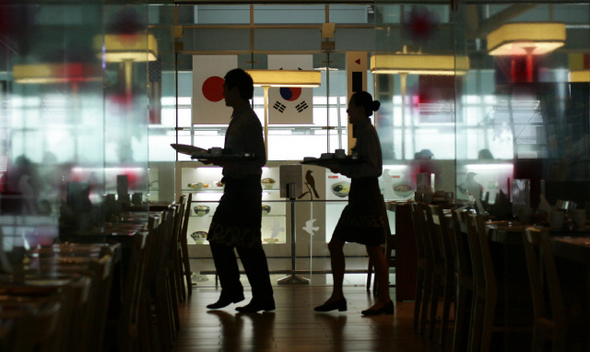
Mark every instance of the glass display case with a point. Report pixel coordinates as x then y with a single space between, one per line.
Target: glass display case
314 221
204 182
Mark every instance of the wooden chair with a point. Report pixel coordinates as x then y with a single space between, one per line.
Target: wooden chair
103 271
175 271
124 330
159 307
46 327
30 326
485 321
175 259
149 315
550 322
443 280
464 281
422 267
91 292
486 288
435 270
89 315
183 246
66 289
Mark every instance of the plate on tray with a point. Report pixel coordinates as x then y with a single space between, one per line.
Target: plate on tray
187 149
331 161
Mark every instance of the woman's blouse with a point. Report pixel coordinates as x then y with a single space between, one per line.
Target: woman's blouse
368 149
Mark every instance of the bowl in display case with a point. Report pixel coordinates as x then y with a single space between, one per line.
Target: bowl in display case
341 189
199 236
268 183
201 210
403 189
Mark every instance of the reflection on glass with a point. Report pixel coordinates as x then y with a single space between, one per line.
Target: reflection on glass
520 111
514 39
70 121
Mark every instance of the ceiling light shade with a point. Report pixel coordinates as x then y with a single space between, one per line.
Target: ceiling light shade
56 73
580 76
579 65
526 38
421 64
286 78
119 47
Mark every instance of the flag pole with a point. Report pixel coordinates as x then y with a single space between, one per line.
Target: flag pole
266 118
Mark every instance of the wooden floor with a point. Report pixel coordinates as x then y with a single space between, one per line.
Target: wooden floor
294 325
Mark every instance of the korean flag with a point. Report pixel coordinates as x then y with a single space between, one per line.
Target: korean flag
290 105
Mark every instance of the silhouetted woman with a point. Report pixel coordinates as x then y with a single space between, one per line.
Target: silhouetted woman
364 218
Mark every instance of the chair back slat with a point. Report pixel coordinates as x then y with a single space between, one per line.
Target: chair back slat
486 289
431 237
441 231
549 310
464 282
418 231
184 245
460 244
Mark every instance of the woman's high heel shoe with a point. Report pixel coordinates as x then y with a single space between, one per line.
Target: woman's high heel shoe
386 309
326 307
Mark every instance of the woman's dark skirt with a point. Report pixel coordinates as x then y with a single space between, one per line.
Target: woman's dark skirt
364 219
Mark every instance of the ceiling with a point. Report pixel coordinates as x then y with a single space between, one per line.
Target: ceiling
300 2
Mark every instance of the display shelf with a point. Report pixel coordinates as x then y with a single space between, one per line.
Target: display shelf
264 216
311 213
220 190
273 225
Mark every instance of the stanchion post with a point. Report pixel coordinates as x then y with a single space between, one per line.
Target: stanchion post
293 279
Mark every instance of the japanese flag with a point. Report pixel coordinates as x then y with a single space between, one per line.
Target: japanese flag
290 105
208 103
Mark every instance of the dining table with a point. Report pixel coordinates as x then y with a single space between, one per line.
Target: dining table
120 233
61 272
23 300
571 248
405 251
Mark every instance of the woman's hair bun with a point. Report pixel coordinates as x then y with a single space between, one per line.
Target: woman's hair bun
375 105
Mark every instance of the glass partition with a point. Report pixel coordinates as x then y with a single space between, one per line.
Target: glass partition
73 117
515 107
414 67
525 111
